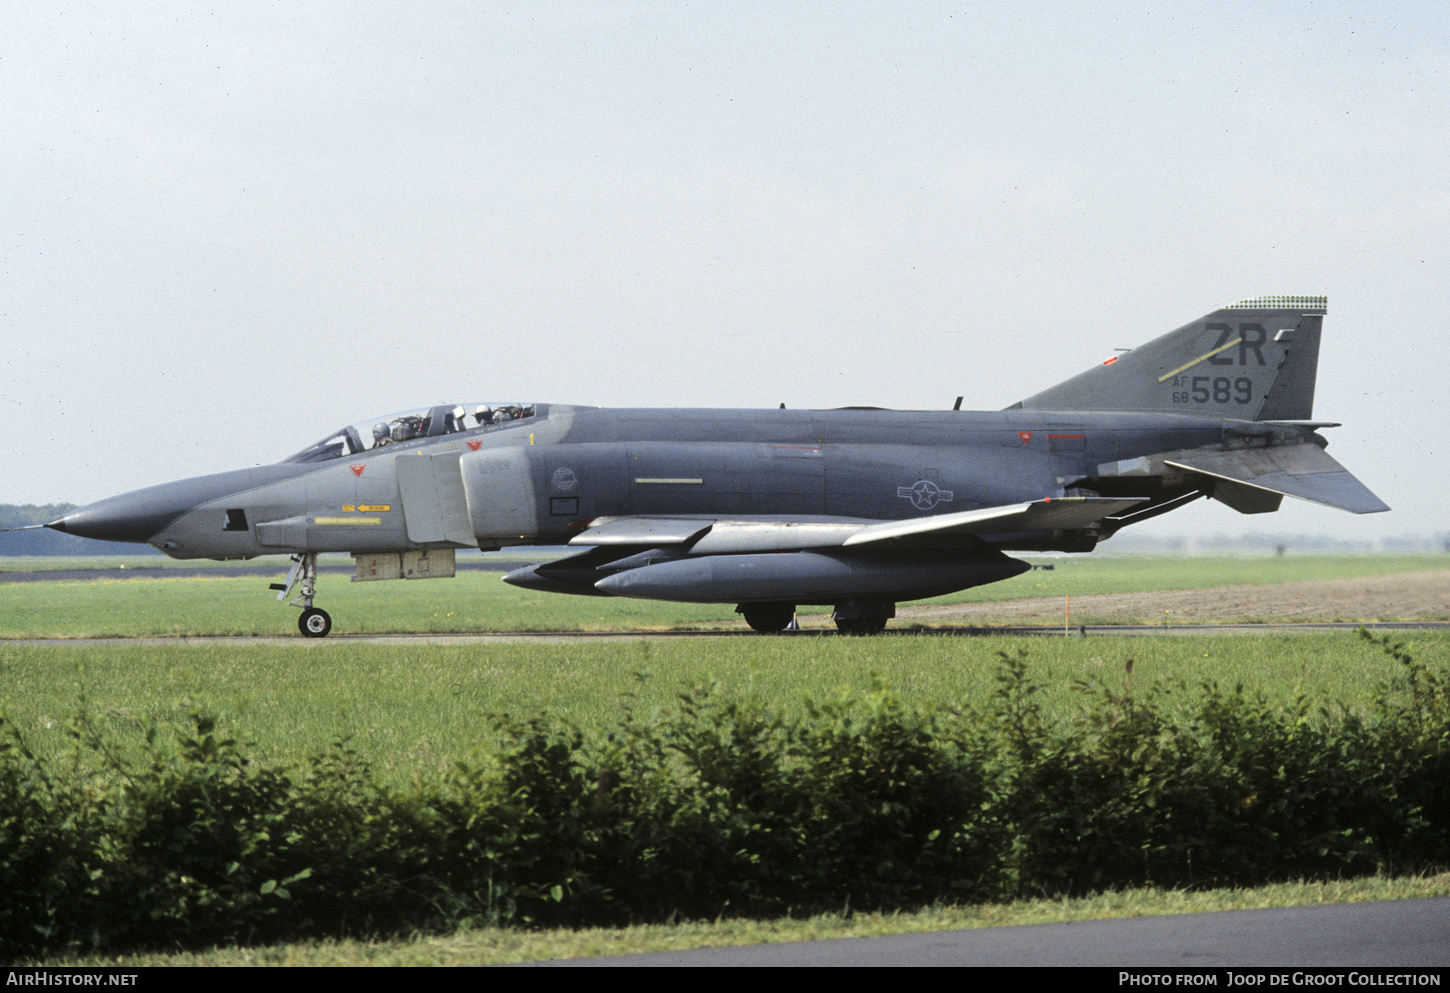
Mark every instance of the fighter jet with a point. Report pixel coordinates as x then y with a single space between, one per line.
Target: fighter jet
857 509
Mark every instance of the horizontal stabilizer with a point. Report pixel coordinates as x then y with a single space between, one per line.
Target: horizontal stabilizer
1303 471
1061 514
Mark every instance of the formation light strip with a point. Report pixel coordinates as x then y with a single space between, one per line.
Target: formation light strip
1281 303
1206 355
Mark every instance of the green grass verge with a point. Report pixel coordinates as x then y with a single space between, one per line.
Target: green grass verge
494 946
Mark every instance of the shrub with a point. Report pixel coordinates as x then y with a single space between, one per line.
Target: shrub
722 805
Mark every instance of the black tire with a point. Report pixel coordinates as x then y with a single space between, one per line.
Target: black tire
768 618
314 623
861 625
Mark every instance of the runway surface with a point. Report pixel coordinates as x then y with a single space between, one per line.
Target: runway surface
1417 601
601 637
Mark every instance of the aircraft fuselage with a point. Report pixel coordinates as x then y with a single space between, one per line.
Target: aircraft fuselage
541 480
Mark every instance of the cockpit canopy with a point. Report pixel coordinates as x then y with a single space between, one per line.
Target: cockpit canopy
411 425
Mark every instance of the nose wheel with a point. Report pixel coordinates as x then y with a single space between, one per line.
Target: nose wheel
314 623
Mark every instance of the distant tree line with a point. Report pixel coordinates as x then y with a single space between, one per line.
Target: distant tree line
43 541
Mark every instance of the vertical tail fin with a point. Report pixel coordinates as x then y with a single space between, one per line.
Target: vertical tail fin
1254 360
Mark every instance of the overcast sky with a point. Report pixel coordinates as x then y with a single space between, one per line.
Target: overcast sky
225 231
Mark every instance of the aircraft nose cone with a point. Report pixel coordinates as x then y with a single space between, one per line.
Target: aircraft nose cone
132 516
141 514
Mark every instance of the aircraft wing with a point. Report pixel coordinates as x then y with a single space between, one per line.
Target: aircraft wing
710 559
1306 472
733 536
1056 514
643 531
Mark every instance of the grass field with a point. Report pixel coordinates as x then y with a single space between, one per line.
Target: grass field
477 601
413 709
416 708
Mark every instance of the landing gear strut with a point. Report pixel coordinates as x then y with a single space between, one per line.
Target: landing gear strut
314 622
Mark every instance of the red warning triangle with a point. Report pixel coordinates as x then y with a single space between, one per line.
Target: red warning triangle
1026 437
357 470
474 445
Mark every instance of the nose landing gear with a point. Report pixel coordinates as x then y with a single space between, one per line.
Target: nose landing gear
314 622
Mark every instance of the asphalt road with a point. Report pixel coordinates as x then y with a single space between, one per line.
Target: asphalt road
1410 935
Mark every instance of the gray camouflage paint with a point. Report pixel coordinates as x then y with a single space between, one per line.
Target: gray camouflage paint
761 505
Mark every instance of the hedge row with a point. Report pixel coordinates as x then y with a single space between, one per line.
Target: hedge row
723 806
